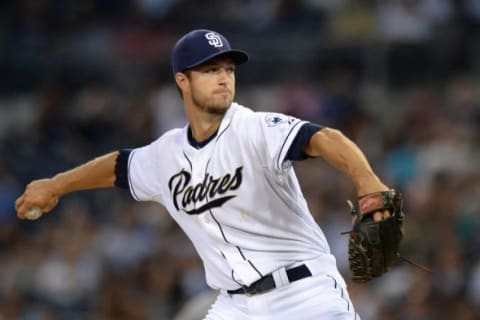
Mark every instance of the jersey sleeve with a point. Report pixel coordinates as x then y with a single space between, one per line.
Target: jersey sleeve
300 142
143 173
272 135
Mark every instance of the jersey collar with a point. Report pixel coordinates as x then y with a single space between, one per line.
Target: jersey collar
198 145
227 118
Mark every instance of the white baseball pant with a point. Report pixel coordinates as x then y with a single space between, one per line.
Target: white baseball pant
313 298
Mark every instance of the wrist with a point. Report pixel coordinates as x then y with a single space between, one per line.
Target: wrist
58 185
369 184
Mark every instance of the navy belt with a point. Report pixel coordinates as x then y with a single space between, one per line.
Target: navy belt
267 283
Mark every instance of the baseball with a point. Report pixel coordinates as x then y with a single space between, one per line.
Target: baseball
33 213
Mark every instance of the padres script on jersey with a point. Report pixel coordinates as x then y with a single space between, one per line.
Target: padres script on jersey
236 198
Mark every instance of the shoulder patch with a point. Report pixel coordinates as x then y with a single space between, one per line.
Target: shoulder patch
274 119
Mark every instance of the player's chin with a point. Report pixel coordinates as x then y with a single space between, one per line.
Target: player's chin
220 106
217 110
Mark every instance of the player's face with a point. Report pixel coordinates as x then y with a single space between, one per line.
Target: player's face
212 85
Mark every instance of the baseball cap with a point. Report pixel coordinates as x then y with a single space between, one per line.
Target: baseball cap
199 46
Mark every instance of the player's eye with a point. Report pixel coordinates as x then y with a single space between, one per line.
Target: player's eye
212 70
231 69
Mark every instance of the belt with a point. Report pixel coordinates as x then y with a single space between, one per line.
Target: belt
267 283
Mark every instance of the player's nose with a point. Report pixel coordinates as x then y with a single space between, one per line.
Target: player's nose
224 77
223 73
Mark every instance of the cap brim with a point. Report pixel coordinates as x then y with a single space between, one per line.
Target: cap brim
238 56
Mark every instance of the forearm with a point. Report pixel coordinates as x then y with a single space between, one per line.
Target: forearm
95 174
44 194
345 155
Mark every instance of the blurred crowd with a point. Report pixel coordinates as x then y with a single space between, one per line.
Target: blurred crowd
83 78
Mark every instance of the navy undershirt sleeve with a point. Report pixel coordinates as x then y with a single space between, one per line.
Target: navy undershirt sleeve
121 169
295 153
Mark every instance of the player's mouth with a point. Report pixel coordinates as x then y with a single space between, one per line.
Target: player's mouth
222 91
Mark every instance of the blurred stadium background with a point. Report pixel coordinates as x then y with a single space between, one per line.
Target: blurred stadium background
82 78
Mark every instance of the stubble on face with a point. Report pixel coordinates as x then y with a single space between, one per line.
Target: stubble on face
218 99
217 104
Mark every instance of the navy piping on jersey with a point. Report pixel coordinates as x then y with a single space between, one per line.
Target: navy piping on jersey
189 162
206 166
253 266
210 210
121 168
223 233
198 145
223 131
233 278
279 161
304 134
129 182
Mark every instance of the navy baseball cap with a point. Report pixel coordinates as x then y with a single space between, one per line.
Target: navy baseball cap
199 46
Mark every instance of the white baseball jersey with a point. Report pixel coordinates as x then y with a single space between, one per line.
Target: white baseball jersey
236 198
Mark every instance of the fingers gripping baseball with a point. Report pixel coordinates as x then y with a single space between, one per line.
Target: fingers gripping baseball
39 197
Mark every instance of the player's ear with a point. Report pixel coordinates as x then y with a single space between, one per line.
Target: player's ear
182 81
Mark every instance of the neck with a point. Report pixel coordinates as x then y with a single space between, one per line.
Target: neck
202 124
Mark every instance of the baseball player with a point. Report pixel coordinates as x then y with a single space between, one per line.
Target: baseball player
227 179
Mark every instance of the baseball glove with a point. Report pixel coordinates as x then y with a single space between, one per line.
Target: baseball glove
374 245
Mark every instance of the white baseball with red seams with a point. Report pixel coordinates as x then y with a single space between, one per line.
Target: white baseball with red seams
240 203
